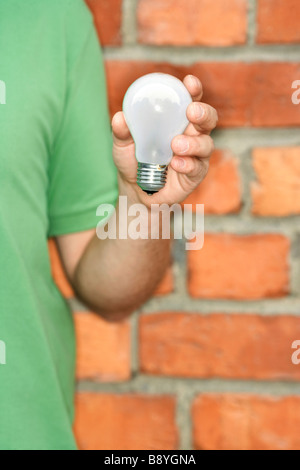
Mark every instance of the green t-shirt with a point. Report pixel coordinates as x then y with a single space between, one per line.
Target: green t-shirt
55 169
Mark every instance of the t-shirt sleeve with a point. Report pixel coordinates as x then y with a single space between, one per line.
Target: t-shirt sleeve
82 174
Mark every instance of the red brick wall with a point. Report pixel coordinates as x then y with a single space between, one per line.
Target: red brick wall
206 364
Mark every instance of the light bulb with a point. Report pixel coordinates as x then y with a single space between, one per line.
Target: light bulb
155 111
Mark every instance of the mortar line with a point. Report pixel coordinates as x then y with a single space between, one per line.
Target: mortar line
186 56
129 23
252 25
191 387
184 421
294 263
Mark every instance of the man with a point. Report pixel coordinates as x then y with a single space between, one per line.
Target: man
56 168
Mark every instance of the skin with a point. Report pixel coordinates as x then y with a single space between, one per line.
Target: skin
115 277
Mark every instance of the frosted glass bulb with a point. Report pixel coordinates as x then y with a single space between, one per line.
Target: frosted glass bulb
155 111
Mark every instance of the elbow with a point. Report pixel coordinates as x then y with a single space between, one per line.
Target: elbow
112 310
113 317
111 314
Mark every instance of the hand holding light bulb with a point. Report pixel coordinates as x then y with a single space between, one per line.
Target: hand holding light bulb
180 112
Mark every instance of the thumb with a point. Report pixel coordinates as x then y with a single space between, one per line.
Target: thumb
121 133
124 148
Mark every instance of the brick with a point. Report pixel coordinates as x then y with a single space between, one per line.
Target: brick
166 286
103 349
240 267
277 189
278 21
125 422
201 346
246 422
244 94
58 272
196 22
108 17
272 95
221 190
230 97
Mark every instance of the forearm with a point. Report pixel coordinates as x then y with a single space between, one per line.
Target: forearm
115 276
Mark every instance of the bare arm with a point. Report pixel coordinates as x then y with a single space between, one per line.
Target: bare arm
115 276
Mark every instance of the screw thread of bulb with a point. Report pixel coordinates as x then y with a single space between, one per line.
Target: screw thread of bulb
151 177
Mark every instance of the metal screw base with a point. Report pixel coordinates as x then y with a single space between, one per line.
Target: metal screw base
151 178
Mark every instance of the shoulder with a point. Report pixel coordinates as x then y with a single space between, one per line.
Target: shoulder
79 26
60 6
69 12
76 10
73 22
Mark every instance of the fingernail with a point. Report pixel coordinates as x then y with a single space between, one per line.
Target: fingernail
182 145
198 111
180 162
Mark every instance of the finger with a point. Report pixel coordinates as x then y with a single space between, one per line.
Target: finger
121 132
191 167
190 130
194 87
202 116
200 146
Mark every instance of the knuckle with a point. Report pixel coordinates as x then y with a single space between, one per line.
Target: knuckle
190 109
192 167
209 145
197 112
201 170
205 168
216 117
211 117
